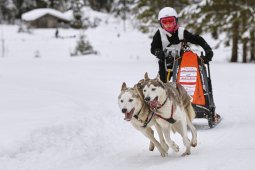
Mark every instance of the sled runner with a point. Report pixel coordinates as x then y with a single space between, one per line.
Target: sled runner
194 75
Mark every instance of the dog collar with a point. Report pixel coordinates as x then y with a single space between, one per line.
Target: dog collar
136 116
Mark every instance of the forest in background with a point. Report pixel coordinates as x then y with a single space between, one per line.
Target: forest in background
234 19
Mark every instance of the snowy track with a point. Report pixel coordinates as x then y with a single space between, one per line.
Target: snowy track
62 114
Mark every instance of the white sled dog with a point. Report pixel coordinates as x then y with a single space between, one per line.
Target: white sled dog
131 103
172 107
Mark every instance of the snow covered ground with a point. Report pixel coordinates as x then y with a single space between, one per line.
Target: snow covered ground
60 113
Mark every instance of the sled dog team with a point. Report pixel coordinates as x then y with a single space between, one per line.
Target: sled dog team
166 106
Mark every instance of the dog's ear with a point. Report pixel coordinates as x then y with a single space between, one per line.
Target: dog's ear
124 86
158 77
160 82
146 77
138 89
139 84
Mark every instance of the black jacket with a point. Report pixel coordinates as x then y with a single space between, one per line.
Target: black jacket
174 39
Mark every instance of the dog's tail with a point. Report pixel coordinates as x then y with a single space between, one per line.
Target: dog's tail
190 112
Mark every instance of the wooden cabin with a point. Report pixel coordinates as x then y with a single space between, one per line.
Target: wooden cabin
45 18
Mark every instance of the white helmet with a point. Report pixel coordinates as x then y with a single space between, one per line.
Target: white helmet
167 12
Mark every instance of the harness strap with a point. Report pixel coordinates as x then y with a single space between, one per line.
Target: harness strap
136 116
148 121
171 119
161 105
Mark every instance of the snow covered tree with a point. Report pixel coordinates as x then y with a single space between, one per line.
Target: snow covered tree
28 5
1 11
123 9
43 3
9 11
234 18
83 47
250 7
252 46
101 5
77 13
60 5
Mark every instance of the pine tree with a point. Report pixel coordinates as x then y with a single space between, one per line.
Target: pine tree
101 5
123 9
252 46
83 47
77 13
43 4
251 27
9 11
57 4
28 5
229 17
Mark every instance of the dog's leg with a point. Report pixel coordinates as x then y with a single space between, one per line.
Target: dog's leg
151 146
171 143
190 111
184 134
147 133
161 137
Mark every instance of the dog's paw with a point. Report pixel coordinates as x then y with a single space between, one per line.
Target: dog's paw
151 146
186 153
194 143
164 154
175 147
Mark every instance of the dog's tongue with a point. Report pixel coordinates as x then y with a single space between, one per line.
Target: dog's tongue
153 104
128 115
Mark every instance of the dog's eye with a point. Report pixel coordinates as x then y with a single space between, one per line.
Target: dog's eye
153 89
144 90
121 101
130 100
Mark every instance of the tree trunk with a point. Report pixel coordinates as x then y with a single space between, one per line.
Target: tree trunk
252 46
245 41
234 55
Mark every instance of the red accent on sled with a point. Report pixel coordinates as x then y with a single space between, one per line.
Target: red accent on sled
189 77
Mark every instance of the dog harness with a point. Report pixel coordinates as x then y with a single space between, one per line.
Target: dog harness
147 121
171 119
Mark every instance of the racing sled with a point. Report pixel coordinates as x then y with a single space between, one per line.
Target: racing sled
194 75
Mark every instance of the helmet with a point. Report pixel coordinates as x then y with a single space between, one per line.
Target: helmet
167 12
168 19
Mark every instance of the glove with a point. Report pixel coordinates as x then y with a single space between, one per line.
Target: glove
208 56
160 54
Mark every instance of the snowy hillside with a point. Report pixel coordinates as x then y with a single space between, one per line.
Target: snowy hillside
60 113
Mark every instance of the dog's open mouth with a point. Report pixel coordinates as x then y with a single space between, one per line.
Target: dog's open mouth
128 115
154 103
